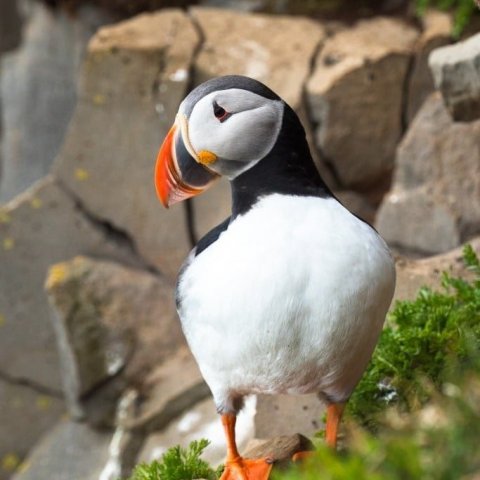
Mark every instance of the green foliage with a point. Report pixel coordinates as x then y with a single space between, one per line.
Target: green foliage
178 464
463 11
420 342
443 448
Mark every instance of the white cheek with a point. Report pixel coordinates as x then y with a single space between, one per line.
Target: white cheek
245 136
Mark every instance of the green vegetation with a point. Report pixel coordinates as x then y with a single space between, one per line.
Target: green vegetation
178 464
463 11
439 443
421 395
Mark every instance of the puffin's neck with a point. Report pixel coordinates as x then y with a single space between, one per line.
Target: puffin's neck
288 169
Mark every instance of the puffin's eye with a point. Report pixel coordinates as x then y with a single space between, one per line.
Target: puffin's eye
220 112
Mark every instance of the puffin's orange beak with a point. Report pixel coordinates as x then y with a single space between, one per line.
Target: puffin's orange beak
178 175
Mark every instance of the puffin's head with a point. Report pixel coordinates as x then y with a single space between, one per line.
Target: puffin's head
223 127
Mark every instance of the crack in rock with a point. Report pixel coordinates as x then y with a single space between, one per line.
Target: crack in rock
24 382
118 236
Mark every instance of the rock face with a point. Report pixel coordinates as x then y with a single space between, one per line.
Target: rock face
413 274
357 204
134 77
355 97
212 207
434 204
170 389
276 50
25 415
279 415
437 27
41 73
107 317
456 70
41 227
70 451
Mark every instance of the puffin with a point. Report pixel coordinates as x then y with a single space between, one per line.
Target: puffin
290 293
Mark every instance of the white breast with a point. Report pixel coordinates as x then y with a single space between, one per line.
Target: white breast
290 299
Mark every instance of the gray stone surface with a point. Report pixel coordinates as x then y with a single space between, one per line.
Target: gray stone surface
70 451
355 96
279 415
277 50
106 317
212 207
456 70
134 77
434 204
413 274
357 204
169 390
437 27
40 227
38 90
124 445
25 415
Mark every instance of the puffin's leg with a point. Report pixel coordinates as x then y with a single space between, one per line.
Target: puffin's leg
334 415
236 467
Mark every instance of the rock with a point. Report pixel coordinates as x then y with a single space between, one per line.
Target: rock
134 77
456 71
355 97
71 450
107 316
434 204
212 207
99 407
201 421
413 274
124 445
437 28
279 415
25 415
41 227
10 25
357 204
277 50
279 449
43 73
169 390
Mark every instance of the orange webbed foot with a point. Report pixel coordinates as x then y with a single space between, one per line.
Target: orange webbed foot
246 469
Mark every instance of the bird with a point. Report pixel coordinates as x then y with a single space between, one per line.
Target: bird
289 294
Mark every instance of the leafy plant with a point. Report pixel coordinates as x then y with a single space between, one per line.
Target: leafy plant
444 447
463 11
421 340
178 463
